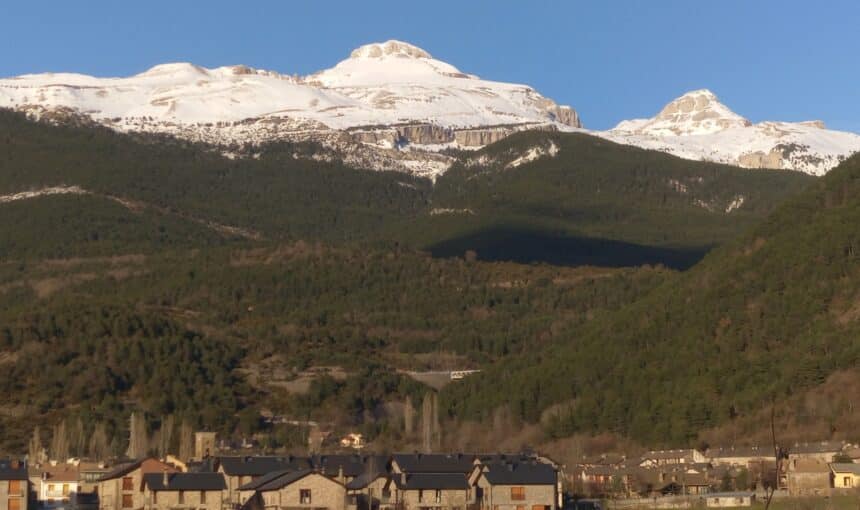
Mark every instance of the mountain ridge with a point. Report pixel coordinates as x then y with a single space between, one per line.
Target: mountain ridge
392 106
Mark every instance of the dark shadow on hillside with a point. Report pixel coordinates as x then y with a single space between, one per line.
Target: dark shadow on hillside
527 246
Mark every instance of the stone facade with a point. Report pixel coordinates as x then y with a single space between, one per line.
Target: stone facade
516 497
190 500
313 491
124 489
14 494
808 477
450 499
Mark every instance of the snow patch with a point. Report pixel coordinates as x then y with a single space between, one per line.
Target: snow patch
735 204
533 154
444 210
55 190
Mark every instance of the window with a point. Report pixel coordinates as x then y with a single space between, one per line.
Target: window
518 493
65 489
14 487
14 504
438 496
202 497
521 507
305 496
127 484
846 481
181 497
127 501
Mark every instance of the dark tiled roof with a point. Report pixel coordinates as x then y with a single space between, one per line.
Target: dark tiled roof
258 466
845 467
818 447
288 478
121 470
185 482
435 463
432 481
740 451
258 482
363 480
521 473
353 465
13 470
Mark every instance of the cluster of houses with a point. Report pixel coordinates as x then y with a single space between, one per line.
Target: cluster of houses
726 476
323 482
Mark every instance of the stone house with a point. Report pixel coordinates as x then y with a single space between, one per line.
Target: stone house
239 471
436 491
820 451
296 490
122 488
845 475
371 490
192 491
14 485
515 486
808 477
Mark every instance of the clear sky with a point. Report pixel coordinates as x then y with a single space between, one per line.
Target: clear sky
611 60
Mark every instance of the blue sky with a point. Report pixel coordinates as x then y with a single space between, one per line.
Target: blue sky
611 60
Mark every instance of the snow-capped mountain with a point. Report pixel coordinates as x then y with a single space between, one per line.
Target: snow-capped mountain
386 95
393 106
697 126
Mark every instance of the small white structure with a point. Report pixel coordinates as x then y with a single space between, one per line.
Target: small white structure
353 440
729 499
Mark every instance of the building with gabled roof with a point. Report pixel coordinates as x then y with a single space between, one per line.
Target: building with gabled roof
371 490
14 485
241 470
122 487
513 485
296 490
845 475
440 491
171 491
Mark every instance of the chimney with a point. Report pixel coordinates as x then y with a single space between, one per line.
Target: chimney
340 477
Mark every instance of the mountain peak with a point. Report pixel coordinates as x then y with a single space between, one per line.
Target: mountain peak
173 68
698 112
391 48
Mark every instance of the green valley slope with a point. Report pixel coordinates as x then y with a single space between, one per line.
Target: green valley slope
764 317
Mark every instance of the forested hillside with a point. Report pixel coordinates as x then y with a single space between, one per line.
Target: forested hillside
205 334
200 289
760 319
595 202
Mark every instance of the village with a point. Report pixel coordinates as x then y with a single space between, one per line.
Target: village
215 479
